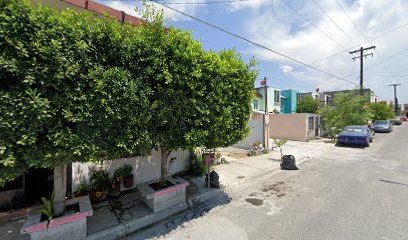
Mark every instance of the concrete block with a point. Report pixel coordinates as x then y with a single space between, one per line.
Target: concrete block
164 198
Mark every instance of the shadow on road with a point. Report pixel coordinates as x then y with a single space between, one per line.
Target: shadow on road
350 145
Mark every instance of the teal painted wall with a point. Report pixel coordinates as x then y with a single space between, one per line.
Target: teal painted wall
290 102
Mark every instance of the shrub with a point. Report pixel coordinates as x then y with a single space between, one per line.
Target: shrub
82 190
198 168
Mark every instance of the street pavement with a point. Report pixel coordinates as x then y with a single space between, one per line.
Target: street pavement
338 193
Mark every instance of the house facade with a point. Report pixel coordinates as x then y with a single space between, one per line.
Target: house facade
368 94
289 101
267 100
314 95
296 126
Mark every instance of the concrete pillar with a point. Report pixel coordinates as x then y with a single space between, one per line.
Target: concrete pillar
60 188
266 131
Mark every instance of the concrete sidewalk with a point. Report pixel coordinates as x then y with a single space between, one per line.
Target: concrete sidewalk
113 219
239 171
121 217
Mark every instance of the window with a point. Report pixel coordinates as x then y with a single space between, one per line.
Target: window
311 123
277 96
298 97
256 105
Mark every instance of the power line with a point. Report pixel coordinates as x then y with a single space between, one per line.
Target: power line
383 75
254 43
368 41
351 20
314 25
362 34
203 3
325 13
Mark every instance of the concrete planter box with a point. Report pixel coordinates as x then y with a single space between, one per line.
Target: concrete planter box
165 198
68 226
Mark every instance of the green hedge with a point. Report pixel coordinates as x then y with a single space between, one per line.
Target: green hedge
78 88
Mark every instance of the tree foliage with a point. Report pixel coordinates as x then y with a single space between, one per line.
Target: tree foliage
78 88
349 108
381 111
307 104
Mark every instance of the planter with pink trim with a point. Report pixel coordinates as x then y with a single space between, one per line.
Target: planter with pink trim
71 225
173 194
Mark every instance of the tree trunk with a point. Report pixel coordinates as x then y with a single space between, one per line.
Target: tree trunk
60 187
164 162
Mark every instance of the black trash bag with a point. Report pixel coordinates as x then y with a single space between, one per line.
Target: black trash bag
288 163
214 179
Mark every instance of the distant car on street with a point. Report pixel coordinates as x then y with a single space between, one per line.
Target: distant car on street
360 135
382 126
395 122
403 118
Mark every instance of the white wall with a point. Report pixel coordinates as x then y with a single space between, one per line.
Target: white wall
145 168
256 125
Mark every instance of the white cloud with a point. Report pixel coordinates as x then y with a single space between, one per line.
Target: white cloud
274 25
252 4
286 69
288 34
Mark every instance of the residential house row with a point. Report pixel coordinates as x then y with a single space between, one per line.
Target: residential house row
276 101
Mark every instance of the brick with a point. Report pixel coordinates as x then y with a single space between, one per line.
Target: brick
102 9
79 3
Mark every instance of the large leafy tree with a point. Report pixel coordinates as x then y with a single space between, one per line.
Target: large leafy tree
77 88
198 98
349 108
381 111
307 105
65 92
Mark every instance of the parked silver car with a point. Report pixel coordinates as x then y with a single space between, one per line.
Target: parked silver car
382 126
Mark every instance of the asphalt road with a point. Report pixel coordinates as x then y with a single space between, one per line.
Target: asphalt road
347 193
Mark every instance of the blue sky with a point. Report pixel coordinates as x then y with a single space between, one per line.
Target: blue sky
306 30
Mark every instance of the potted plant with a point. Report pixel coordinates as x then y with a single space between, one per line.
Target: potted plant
114 190
280 143
48 210
83 189
100 182
127 175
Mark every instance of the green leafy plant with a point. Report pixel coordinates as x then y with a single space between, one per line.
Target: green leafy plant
48 209
198 168
100 180
120 91
307 105
381 111
349 108
126 171
82 190
280 143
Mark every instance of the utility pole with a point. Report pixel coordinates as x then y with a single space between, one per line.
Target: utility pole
265 116
395 96
266 95
362 56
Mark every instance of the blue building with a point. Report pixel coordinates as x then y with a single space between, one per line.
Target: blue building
289 101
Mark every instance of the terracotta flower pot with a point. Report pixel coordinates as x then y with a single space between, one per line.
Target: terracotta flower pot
128 182
98 195
114 191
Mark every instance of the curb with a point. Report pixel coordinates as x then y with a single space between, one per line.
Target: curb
126 228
